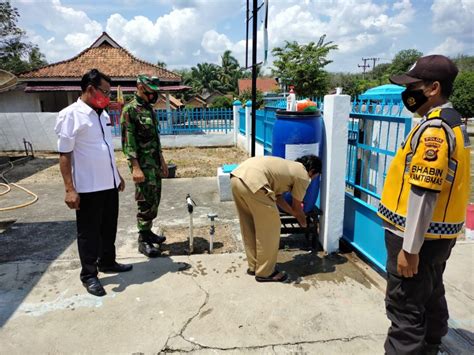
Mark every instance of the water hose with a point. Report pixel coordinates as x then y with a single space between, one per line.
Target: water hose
8 185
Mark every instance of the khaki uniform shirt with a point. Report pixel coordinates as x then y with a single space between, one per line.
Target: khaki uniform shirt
276 175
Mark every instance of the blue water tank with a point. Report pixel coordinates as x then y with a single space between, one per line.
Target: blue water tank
296 134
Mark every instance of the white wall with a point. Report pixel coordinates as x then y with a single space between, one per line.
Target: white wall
19 101
35 127
38 128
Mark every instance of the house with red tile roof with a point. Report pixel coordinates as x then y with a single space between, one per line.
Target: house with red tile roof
265 85
175 103
55 86
197 102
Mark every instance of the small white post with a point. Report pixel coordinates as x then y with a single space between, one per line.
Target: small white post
236 106
168 110
248 124
336 117
70 100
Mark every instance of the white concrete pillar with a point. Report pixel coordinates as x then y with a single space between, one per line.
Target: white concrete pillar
336 117
70 100
236 106
168 110
248 124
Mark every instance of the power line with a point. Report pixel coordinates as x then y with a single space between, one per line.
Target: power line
365 65
374 60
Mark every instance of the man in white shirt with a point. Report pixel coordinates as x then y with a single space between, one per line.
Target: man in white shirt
91 178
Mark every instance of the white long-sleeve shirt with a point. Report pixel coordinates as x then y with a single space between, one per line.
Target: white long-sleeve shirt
85 134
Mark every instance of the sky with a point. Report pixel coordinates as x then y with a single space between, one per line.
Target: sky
182 33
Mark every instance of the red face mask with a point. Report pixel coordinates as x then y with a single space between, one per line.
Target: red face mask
99 100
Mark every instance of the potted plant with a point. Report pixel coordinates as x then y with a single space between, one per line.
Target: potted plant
171 169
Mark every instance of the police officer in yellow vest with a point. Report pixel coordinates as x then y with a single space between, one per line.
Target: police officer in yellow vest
423 206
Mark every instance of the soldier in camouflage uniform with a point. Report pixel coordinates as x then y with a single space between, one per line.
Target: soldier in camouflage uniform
141 145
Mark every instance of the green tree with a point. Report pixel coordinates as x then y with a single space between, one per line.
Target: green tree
403 60
229 72
303 66
222 102
206 76
247 74
380 73
463 94
352 84
161 64
16 54
247 95
464 62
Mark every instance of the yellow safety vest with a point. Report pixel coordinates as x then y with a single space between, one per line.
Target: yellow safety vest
435 156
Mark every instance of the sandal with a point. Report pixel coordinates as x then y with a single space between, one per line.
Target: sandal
273 277
250 272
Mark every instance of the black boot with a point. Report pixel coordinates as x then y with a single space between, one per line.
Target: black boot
146 247
154 238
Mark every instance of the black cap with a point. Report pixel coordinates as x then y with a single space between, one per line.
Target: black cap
429 68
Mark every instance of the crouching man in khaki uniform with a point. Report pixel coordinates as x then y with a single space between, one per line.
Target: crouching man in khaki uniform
258 185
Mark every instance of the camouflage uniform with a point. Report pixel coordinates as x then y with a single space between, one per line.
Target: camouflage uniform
141 140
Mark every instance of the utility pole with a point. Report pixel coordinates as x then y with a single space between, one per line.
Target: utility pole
374 60
365 65
247 37
254 75
254 18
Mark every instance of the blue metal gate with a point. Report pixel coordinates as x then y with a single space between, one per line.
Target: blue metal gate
375 132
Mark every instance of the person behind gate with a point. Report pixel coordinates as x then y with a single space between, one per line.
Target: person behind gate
258 185
142 147
423 206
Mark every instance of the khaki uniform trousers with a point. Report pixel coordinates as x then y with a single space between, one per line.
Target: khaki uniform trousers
259 226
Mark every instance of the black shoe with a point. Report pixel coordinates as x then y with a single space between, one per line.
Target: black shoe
151 237
148 249
431 349
116 267
94 287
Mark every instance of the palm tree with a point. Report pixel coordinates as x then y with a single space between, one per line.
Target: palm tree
161 64
205 76
229 71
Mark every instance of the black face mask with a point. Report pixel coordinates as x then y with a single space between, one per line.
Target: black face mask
152 98
414 99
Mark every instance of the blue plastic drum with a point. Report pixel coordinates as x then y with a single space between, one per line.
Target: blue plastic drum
296 134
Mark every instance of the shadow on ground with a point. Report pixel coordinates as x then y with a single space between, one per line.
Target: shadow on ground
27 168
41 241
144 272
26 241
201 246
457 341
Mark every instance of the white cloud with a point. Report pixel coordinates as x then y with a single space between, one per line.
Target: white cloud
453 18
364 31
214 42
450 47
72 29
193 31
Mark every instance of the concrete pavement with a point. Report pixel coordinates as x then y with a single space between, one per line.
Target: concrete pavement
200 304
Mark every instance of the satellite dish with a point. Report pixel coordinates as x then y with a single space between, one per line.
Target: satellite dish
7 80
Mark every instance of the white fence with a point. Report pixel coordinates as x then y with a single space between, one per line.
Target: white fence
38 128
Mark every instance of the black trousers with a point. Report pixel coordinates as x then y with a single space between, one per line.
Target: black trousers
416 306
96 230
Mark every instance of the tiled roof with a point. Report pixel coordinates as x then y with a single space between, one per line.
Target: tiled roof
108 57
46 88
263 84
174 102
7 80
